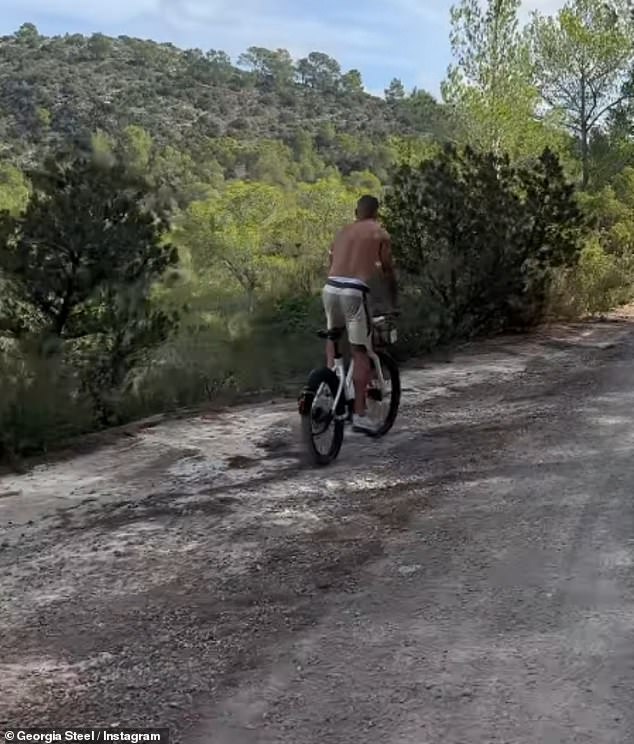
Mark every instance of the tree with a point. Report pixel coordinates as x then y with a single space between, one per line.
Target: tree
330 204
173 176
219 65
319 71
581 56
28 34
352 82
102 148
610 150
412 150
272 68
612 212
100 46
236 233
481 235
84 242
311 222
364 181
489 90
268 161
395 91
309 166
135 149
422 113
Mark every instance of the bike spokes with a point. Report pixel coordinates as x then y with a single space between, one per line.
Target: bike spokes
378 398
322 416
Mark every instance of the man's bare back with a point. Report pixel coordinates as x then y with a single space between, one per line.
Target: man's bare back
360 250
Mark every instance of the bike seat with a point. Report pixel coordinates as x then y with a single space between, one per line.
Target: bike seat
334 334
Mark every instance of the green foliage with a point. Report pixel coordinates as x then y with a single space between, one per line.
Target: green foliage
250 170
490 88
412 150
264 238
605 276
134 149
79 265
14 190
271 68
179 98
602 283
481 236
83 235
598 283
27 34
581 57
236 234
40 405
395 91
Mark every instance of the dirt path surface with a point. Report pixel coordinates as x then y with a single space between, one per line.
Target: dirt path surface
467 579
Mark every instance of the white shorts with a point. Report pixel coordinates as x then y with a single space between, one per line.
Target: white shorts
346 306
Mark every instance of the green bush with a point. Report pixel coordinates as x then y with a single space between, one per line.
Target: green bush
40 405
599 282
482 245
481 237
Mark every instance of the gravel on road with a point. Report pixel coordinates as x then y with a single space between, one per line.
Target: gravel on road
467 579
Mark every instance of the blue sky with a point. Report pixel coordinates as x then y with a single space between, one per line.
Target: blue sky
408 39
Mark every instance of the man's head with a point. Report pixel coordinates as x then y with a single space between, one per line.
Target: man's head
367 208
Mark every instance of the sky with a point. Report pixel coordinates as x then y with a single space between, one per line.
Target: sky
407 39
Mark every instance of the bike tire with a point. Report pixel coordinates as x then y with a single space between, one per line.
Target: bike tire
316 379
388 362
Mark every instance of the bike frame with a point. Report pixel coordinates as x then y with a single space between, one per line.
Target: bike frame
346 384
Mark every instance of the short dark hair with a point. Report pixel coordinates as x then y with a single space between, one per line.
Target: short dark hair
367 207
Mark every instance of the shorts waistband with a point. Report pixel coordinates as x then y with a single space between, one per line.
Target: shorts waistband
347 284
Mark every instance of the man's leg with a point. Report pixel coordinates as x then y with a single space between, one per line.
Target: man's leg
360 376
359 333
334 319
330 354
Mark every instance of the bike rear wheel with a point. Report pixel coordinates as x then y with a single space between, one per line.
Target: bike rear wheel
392 378
318 416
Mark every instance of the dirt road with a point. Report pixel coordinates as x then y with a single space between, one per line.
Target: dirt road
468 579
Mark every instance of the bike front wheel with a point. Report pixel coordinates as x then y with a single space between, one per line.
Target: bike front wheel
319 419
388 399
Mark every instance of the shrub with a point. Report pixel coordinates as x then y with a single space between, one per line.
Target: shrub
79 264
39 406
599 282
481 237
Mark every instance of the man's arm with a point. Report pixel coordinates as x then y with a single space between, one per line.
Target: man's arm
387 265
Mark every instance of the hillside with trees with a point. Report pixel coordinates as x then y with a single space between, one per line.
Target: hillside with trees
166 213
60 88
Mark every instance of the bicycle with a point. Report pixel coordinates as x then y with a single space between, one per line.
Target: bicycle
336 384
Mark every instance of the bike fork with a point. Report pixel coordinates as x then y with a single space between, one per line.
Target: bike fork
344 389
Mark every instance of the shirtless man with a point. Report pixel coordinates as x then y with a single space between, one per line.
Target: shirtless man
357 253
